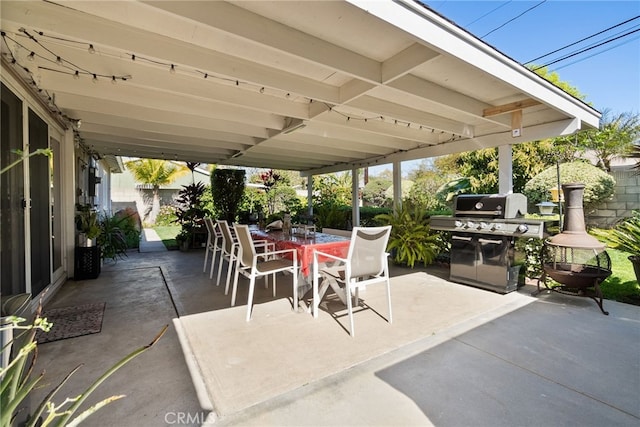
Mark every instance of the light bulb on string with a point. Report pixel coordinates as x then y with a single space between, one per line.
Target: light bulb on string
172 70
113 80
76 75
31 56
95 79
59 60
91 49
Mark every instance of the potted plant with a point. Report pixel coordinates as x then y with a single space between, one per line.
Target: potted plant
411 240
87 225
625 236
112 239
183 239
190 215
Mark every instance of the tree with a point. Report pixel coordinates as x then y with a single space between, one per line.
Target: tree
373 194
599 186
332 189
614 138
155 173
227 188
555 79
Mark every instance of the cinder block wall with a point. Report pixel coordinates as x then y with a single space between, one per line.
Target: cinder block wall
625 200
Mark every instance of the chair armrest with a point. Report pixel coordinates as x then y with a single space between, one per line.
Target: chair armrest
293 251
326 255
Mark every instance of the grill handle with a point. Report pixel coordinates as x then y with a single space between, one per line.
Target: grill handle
495 242
466 239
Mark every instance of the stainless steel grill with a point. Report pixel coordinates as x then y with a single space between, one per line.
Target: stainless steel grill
483 232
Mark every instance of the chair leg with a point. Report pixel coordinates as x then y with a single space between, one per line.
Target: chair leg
295 291
222 258
274 282
389 299
235 285
347 290
213 263
206 256
316 297
232 261
252 282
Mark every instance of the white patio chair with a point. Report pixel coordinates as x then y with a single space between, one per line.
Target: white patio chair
252 264
365 263
214 244
228 253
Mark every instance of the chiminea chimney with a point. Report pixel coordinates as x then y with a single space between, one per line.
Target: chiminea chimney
574 234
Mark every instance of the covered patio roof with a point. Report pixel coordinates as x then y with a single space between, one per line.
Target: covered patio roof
313 86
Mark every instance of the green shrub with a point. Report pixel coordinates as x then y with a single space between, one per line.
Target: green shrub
131 225
167 216
112 239
411 240
625 236
599 186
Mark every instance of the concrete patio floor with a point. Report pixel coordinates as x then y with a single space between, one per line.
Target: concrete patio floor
552 360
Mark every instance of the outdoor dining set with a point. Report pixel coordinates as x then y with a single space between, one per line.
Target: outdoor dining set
315 260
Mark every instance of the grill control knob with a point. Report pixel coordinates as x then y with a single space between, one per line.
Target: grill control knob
484 225
471 224
523 228
496 226
458 223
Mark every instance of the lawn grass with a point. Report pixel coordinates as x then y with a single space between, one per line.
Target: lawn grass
622 284
168 235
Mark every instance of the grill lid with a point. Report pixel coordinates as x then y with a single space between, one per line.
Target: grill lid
512 205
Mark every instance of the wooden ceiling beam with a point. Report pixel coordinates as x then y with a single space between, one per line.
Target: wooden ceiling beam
510 107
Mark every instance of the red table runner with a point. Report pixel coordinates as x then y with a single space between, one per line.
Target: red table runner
328 243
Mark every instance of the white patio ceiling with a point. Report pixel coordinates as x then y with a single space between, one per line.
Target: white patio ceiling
372 82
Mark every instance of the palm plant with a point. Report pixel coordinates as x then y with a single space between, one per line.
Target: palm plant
625 236
155 173
411 240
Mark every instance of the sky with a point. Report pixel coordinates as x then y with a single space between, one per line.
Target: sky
608 75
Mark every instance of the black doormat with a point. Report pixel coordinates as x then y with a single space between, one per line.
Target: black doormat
70 322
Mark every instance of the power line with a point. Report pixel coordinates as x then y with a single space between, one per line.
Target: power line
514 18
581 40
598 42
586 49
595 54
488 13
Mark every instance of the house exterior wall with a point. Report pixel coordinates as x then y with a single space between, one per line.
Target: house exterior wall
63 186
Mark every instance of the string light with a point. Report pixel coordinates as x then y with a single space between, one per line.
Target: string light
172 69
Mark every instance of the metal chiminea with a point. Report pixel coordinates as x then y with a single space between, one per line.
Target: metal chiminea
573 258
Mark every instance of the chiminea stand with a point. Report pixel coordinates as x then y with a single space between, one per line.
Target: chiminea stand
589 285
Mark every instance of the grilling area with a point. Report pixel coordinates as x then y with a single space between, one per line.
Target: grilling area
483 232
484 229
